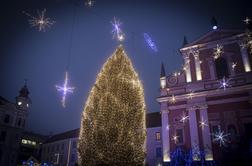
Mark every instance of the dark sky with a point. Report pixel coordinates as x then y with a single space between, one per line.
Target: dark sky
41 57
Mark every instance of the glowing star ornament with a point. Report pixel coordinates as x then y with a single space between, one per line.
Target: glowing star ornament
224 83
218 51
203 123
41 22
220 137
247 21
89 3
150 42
234 64
184 118
173 99
175 138
116 31
65 89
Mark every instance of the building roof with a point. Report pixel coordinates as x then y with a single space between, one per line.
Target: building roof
34 136
61 136
214 35
153 120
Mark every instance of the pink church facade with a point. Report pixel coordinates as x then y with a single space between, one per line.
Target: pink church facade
209 94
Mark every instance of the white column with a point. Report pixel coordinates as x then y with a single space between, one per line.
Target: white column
206 134
165 133
187 68
245 58
194 132
197 65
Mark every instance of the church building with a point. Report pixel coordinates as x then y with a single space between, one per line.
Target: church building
207 104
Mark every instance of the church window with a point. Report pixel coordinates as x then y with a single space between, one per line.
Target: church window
221 68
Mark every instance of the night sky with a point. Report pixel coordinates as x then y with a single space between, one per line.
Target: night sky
42 57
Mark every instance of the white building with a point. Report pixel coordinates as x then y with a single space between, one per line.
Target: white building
61 149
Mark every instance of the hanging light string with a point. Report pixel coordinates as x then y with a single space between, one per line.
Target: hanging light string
65 88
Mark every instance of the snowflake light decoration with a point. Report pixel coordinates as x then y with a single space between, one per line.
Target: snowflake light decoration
41 22
150 42
89 3
220 137
173 99
203 123
175 138
65 89
184 118
234 64
218 51
224 83
116 31
247 21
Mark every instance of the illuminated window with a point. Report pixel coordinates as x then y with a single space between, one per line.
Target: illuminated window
33 143
29 141
24 141
19 103
158 136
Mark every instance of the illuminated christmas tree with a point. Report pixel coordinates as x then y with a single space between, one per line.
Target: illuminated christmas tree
113 128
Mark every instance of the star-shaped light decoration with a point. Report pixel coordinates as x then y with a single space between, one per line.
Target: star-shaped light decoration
247 20
116 31
220 137
173 99
65 89
41 22
175 138
224 83
234 64
218 51
203 123
184 118
89 3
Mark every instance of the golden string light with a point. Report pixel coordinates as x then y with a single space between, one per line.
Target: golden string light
218 51
114 116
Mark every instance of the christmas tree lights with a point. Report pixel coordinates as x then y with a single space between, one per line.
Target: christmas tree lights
113 128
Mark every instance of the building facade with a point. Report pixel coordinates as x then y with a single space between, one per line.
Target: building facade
212 93
12 124
30 147
61 149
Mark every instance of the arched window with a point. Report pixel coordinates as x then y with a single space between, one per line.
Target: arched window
221 68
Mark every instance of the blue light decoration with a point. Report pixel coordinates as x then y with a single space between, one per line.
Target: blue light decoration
185 157
150 42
